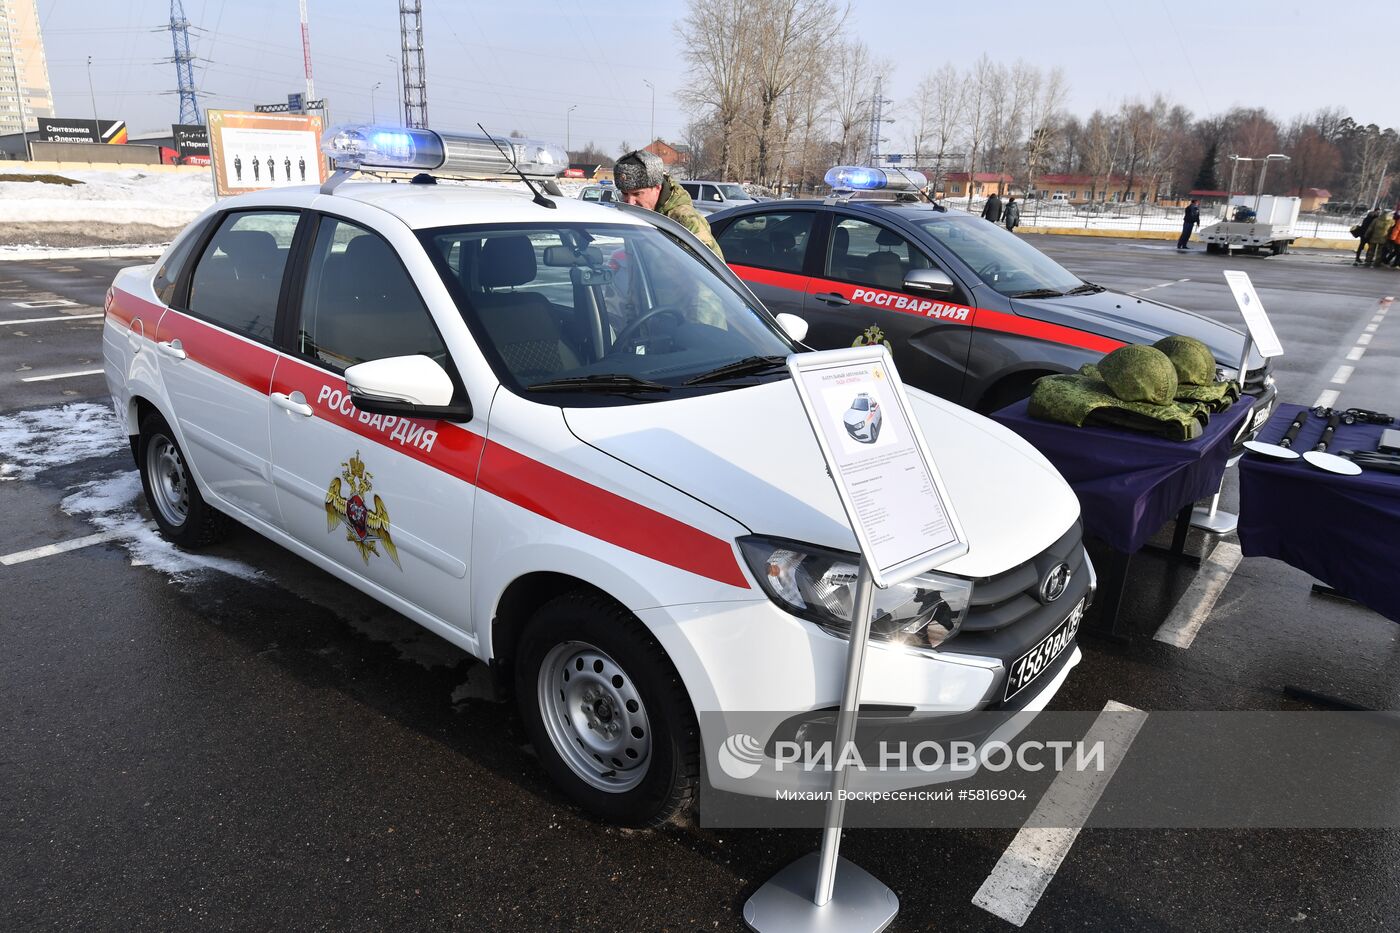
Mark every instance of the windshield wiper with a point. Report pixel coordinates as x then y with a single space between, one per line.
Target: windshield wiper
1037 293
599 382
1088 288
746 366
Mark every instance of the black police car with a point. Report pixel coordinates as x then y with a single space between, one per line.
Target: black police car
970 312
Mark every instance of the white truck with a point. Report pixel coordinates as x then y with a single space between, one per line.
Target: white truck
1273 226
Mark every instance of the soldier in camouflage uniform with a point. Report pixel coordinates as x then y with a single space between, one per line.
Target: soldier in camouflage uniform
642 180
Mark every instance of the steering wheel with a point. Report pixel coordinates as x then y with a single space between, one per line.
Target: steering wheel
627 333
990 271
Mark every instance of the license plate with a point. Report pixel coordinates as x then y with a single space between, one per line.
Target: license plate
1033 663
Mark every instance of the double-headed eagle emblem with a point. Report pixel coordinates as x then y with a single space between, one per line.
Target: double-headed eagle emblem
345 505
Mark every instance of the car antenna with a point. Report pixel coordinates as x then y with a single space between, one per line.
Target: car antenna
927 197
540 199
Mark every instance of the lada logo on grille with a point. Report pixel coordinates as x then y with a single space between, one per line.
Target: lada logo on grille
1055 583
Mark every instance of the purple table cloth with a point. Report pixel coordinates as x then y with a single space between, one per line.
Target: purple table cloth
1344 530
1130 484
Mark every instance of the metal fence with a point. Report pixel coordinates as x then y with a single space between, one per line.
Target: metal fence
1113 215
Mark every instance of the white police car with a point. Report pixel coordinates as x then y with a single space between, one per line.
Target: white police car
560 436
863 418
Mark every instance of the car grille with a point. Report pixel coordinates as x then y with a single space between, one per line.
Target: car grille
1254 382
1014 595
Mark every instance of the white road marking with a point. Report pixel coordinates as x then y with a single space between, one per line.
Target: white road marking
62 547
61 317
1327 399
1378 318
1371 328
1356 353
1364 340
1342 374
1025 869
46 303
1197 603
85 372
1162 285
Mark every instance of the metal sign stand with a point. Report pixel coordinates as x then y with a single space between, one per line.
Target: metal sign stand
822 891
1213 519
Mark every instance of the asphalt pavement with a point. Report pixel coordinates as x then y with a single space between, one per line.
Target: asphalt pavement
239 741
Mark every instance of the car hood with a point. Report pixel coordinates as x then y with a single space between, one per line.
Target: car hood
750 454
1138 320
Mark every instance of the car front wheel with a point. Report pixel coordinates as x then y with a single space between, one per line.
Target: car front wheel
606 711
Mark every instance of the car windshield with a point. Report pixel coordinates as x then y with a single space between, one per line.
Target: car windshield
1001 259
861 403
734 193
603 309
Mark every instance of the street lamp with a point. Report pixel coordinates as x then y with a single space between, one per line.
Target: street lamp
572 108
653 110
372 116
91 95
398 85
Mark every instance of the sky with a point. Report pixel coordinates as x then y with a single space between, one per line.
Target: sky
485 64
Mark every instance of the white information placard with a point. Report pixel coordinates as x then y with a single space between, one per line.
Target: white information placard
1255 317
887 481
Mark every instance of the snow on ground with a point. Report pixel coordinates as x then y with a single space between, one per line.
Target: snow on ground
116 196
109 504
34 441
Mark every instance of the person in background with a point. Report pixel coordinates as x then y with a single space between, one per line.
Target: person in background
1378 235
1189 222
1012 215
1390 250
642 180
1363 230
992 209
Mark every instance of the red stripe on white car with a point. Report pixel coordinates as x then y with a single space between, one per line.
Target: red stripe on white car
442 445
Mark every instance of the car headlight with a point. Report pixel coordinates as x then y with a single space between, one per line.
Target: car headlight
820 585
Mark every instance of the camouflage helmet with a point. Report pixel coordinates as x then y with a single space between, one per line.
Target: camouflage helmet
1139 373
638 169
1195 364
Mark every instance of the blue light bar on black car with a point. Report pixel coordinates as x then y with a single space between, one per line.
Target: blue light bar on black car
865 178
396 148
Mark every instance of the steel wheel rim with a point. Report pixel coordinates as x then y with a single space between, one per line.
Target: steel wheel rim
594 716
169 480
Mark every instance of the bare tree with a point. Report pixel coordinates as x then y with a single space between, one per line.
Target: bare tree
942 103
981 84
718 45
850 96
790 38
1042 115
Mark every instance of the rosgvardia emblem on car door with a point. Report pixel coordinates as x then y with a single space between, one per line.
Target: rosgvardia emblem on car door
365 528
872 336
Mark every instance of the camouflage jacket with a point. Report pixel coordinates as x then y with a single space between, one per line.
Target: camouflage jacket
1080 401
675 203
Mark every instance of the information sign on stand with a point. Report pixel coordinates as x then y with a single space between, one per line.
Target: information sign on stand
1259 332
905 525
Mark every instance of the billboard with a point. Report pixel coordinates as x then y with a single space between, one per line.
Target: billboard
191 143
60 130
253 151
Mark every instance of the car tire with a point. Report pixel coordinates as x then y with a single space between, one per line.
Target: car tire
874 432
607 712
172 494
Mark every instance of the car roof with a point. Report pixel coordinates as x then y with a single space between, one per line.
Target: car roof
440 205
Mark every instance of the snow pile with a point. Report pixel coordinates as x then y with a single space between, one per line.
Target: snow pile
34 441
109 504
117 196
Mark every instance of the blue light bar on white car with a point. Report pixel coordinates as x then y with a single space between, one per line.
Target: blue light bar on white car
865 178
473 155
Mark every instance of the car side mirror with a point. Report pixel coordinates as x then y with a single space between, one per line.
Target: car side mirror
415 386
929 282
794 326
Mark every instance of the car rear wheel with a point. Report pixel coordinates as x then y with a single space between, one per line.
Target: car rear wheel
180 511
606 711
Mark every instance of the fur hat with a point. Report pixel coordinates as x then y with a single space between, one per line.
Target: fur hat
638 169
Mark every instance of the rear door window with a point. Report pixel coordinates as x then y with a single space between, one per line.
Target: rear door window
775 240
238 279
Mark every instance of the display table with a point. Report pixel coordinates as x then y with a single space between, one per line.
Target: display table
1130 484
1341 529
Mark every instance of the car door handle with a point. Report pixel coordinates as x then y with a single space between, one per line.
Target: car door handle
832 298
295 403
173 349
